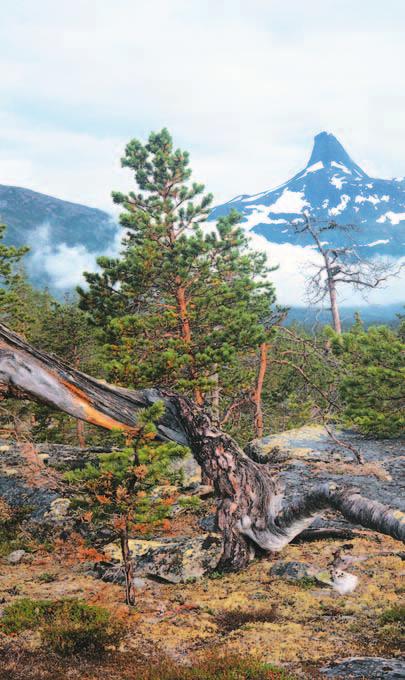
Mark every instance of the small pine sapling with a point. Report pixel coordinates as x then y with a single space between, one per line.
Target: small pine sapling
116 491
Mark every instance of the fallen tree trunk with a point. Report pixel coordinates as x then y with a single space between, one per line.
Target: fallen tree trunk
253 511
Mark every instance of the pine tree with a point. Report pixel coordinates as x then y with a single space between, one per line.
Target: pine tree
116 492
372 379
10 256
182 303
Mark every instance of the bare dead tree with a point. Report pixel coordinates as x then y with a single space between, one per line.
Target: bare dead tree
339 265
253 509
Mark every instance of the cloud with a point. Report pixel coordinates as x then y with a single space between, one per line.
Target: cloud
294 264
244 86
61 264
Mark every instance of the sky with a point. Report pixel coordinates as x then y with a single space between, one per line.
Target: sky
243 85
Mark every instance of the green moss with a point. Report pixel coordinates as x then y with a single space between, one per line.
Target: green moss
190 502
67 626
46 577
307 582
25 614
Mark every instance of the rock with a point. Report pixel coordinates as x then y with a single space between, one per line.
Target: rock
313 458
59 510
209 523
174 560
366 667
204 491
292 571
139 583
16 556
189 469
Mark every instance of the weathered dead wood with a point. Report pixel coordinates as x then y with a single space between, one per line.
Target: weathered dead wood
27 373
252 506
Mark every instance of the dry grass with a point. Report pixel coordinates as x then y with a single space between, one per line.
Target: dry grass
21 664
310 627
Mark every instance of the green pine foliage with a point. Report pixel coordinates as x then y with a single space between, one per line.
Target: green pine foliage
373 379
10 256
59 328
183 303
117 491
120 483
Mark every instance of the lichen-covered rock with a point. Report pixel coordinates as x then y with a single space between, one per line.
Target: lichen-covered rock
174 560
209 523
58 511
367 668
189 469
16 556
292 571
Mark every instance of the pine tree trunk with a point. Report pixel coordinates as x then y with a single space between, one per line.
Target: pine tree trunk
257 397
80 433
215 397
128 568
246 490
186 332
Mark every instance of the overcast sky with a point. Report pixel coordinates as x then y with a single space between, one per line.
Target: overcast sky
243 85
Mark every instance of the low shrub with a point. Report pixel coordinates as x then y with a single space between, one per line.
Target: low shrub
232 619
46 577
391 628
11 537
219 666
395 614
67 626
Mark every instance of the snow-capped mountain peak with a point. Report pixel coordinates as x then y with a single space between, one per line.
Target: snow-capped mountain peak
331 187
329 151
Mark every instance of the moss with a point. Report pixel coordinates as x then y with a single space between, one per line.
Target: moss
46 577
11 537
67 626
218 666
307 582
190 503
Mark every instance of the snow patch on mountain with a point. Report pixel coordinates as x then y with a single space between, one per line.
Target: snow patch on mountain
344 199
394 218
340 166
377 243
337 182
313 168
289 202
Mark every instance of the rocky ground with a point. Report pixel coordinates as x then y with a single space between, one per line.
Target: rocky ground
284 614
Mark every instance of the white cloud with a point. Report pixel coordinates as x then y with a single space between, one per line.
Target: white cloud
63 264
243 85
295 264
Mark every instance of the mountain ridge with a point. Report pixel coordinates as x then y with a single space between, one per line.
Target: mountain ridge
332 186
23 210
